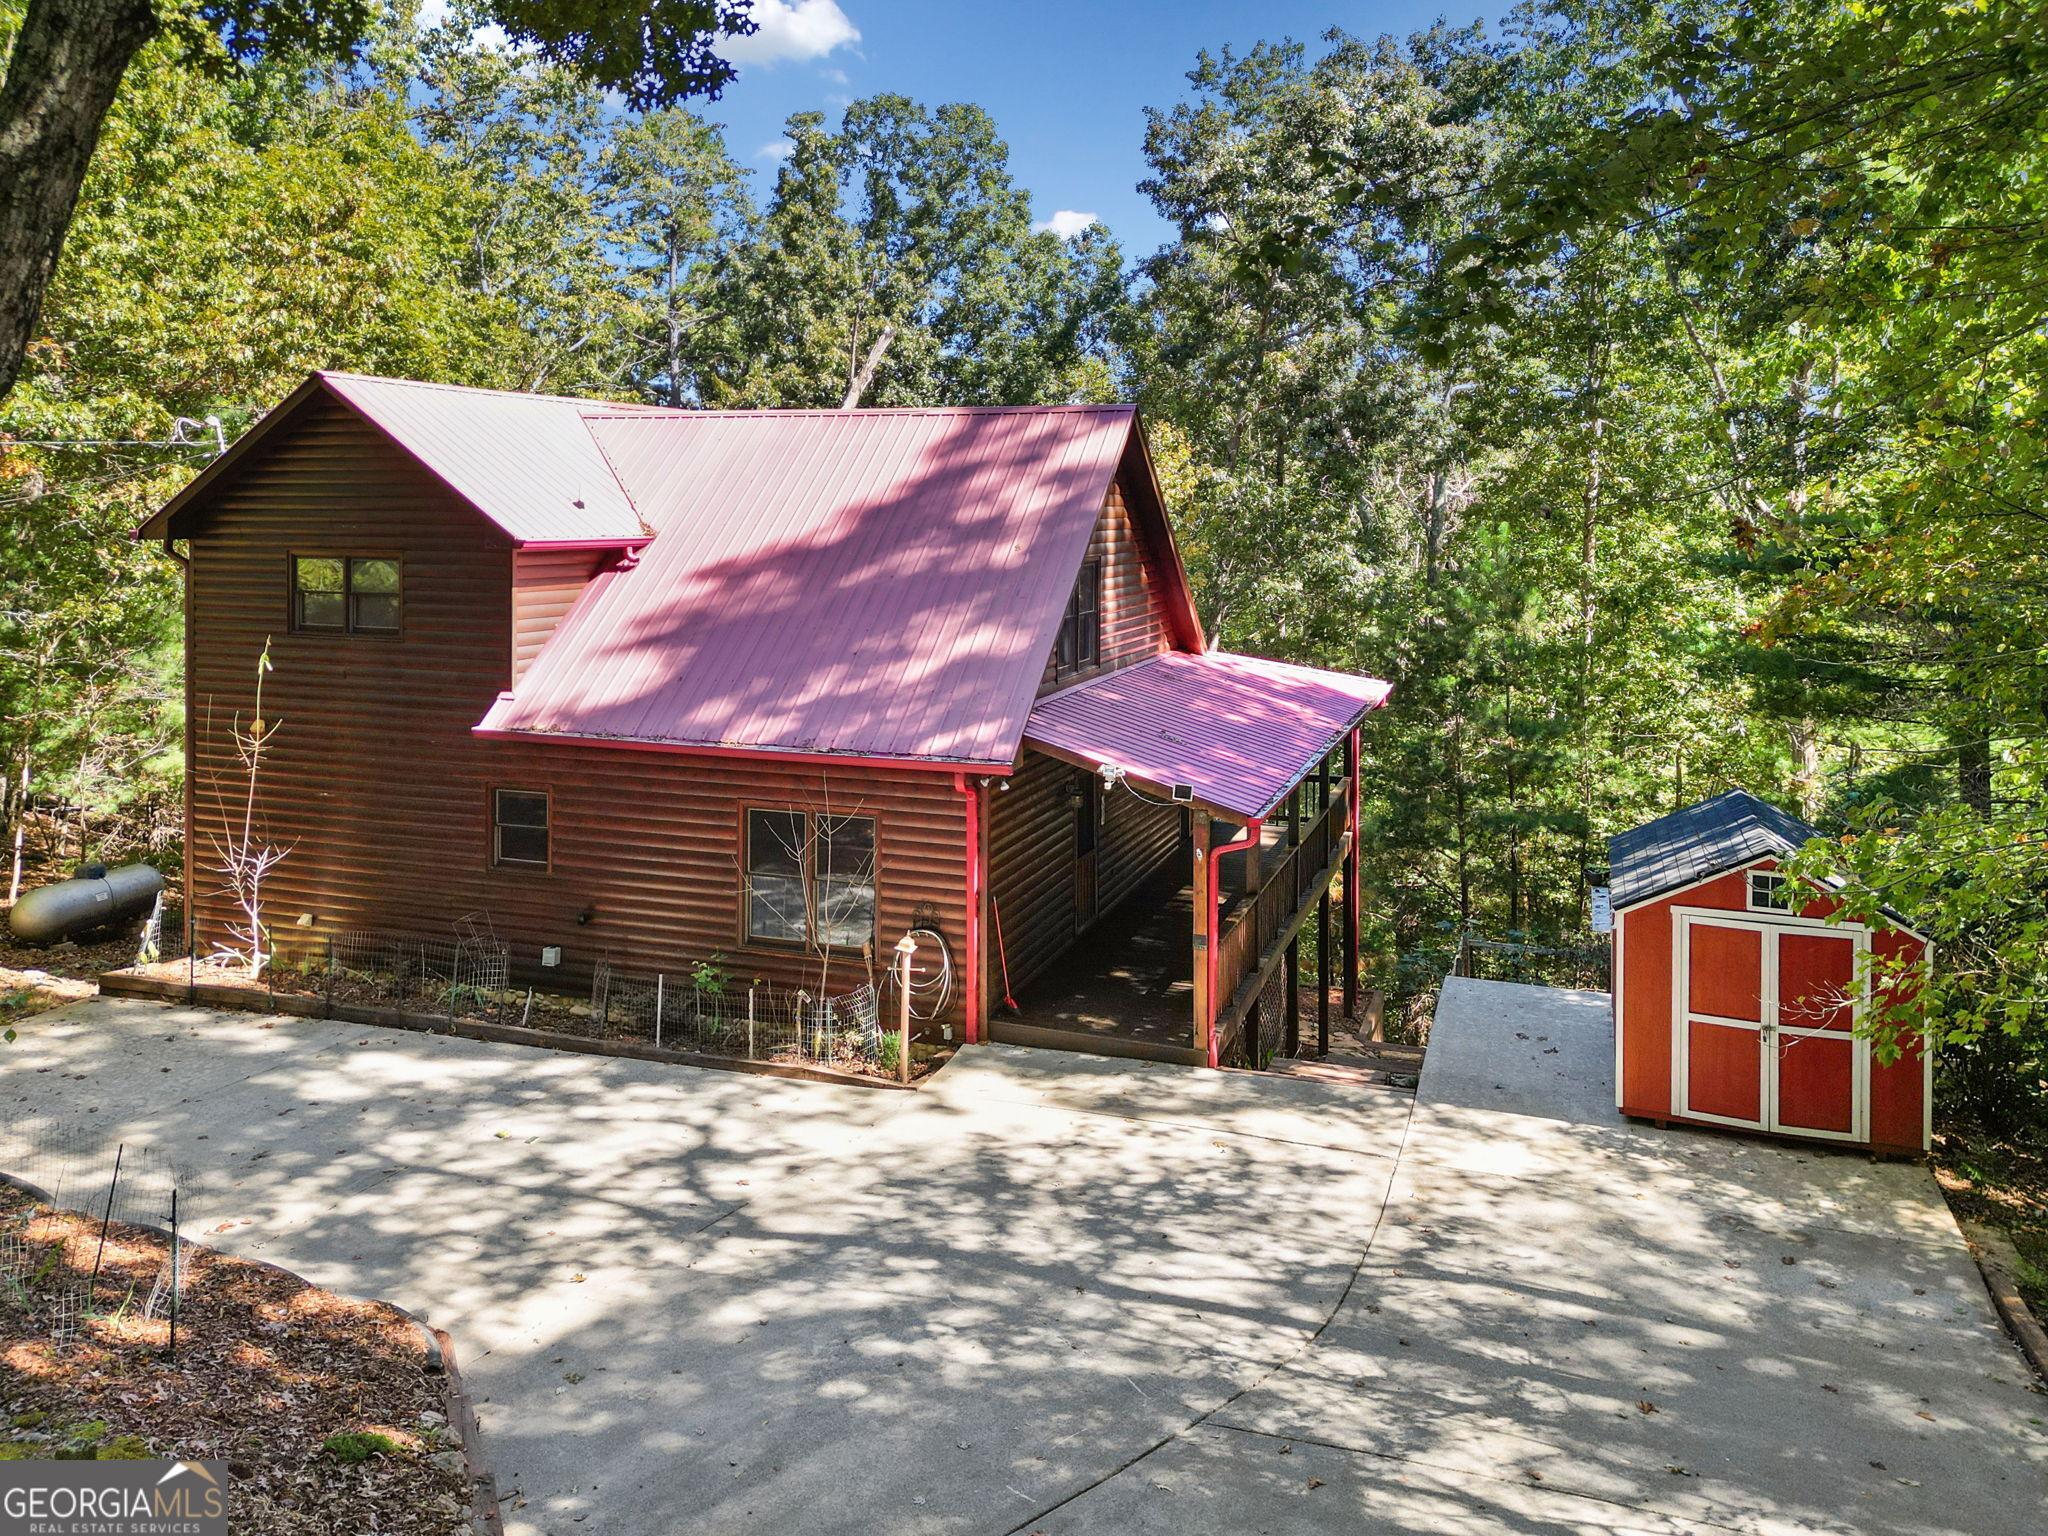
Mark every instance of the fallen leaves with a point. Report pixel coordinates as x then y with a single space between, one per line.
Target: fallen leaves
325 1365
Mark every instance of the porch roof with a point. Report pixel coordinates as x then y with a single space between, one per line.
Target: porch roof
1239 731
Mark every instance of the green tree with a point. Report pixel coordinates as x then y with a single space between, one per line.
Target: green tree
67 59
895 264
678 204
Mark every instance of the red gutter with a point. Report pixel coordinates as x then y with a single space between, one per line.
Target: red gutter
751 754
975 878
1253 829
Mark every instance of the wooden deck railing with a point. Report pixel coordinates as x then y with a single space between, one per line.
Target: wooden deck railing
1265 918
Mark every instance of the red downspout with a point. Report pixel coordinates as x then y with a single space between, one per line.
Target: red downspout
1253 830
975 876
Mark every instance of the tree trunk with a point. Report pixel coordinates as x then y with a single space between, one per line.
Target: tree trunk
20 825
672 304
68 61
866 376
1973 773
1805 740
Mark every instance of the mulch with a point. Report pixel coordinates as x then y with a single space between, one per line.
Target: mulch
2000 1180
267 1369
550 1011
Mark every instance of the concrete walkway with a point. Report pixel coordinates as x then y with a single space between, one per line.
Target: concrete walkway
1061 1294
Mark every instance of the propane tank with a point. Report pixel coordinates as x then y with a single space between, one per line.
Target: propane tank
95 897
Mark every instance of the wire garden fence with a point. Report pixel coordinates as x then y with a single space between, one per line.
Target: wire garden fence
466 974
756 1023
64 1256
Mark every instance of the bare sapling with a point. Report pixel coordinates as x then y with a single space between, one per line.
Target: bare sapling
242 857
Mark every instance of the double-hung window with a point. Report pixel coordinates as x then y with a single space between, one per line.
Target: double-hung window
810 878
345 594
1080 639
519 828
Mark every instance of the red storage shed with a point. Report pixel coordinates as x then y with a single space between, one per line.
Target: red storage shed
1737 1002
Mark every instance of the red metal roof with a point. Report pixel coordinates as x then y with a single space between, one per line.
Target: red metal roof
527 462
876 584
1240 730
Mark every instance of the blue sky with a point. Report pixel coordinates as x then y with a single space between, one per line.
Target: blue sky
1066 81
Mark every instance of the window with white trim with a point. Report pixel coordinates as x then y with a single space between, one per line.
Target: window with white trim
1767 892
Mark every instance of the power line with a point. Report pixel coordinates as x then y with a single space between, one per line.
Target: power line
182 430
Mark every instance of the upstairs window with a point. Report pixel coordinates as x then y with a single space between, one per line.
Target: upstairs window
519 828
345 594
1767 892
810 879
1080 640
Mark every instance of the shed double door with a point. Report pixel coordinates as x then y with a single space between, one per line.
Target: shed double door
1765 1020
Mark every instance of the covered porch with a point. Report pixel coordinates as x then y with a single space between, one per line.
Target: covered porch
1261 760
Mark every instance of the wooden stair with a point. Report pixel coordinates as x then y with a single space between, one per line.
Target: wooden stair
1358 1062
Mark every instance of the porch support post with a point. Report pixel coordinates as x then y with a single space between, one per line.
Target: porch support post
1293 982
1204 906
1323 975
1351 766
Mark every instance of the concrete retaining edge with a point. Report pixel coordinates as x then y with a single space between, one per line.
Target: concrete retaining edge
126 984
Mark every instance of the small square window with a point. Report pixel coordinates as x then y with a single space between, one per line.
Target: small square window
519 828
1767 892
345 594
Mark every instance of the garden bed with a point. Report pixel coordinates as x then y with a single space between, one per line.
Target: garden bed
329 1411
566 1029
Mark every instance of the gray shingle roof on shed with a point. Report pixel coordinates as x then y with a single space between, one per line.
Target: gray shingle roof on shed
1698 843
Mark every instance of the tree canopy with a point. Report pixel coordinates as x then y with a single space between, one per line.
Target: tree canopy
1649 390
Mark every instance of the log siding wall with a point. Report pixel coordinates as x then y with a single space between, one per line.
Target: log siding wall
545 583
1032 839
380 792
1135 626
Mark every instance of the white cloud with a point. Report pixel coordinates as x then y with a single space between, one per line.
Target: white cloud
775 149
1066 223
805 29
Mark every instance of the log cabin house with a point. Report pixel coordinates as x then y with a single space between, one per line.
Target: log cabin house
756 687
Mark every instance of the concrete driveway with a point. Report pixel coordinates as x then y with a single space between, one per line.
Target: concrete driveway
704 1302
1061 1294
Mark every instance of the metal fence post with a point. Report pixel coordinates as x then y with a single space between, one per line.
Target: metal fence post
176 1274
660 996
106 1221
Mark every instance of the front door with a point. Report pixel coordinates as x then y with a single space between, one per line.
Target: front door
1766 1038
1087 820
